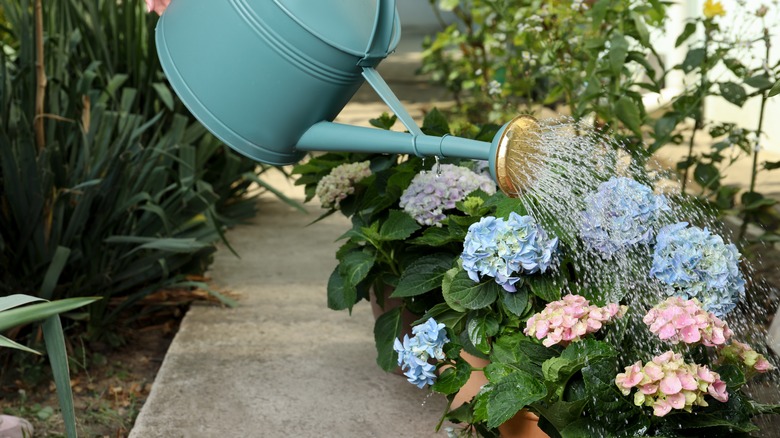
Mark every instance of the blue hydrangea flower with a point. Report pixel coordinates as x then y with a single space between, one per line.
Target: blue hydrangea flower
430 338
506 249
693 263
427 342
621 213
431 193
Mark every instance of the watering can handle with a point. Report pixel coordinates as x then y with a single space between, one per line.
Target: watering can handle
379 44
376 51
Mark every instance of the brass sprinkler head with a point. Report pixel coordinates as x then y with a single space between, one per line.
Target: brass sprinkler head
517 155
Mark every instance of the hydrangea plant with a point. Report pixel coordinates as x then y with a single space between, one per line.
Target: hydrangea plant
486 277
409 218
573 363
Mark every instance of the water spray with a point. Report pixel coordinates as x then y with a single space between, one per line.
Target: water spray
268 77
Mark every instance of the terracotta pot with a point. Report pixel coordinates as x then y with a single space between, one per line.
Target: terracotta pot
523 425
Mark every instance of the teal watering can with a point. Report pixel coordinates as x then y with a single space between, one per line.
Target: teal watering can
267 77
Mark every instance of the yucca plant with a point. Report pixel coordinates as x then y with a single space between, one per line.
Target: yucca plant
119 188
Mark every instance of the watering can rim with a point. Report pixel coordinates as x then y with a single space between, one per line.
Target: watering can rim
392 39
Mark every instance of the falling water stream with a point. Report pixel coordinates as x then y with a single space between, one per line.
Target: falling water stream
570 161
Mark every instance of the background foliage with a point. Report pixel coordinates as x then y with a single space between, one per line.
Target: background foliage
128 193
595 60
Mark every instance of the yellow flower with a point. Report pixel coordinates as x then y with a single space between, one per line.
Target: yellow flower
713 9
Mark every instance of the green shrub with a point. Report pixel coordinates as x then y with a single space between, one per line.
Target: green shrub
592 59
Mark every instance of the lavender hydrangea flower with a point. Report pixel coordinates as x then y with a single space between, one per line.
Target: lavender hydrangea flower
431 193
340 183
621 213
427 342
693 263
501 249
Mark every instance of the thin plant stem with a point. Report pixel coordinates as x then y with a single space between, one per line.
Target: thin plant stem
690 154
760 128
444 416
699 102
757 148
40 73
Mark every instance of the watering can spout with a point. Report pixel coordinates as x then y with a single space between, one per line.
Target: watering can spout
512 155
272 75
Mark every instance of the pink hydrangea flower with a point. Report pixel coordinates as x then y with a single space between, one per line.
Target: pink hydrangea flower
157 6
679 320
569 319
667 383
743 353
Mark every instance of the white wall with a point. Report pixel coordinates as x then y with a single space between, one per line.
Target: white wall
738 21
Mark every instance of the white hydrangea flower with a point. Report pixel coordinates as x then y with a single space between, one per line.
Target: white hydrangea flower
340 183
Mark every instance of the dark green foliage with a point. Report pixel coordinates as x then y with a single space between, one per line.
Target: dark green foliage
128 193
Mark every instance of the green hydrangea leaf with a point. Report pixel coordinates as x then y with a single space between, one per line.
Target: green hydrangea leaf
545 287
518 348
582 428
557 369
446 286
732 375
517 302
505 205
340 296
480 328
496 371
434 236
354 266
452 379
614 407
423 275
464 292
386 329
511 394
563 414
435 123
398 226
574 358
589 349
